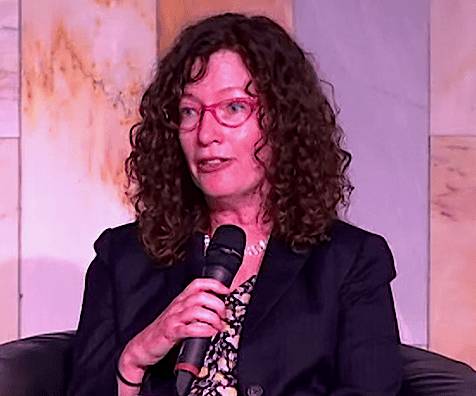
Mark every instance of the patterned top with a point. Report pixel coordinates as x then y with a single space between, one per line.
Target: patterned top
218 375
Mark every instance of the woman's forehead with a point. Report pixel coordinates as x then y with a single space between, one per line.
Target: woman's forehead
225 71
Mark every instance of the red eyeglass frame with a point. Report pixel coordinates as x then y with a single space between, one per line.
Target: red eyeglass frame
253 103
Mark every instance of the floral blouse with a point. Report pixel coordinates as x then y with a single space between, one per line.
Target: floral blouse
218 374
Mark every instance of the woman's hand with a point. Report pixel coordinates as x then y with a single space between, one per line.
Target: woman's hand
195 312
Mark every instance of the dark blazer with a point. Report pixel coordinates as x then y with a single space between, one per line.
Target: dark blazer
319 322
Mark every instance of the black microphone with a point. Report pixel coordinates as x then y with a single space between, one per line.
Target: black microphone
223 258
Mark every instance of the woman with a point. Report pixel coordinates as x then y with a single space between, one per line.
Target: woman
236 130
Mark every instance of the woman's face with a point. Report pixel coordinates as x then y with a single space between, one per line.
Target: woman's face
220 157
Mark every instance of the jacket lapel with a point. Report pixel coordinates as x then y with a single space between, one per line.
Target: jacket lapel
279 268
194 259
278 271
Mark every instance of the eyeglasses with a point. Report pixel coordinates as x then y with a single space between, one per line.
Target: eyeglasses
230 112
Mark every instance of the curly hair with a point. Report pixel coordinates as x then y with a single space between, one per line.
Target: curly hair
307 170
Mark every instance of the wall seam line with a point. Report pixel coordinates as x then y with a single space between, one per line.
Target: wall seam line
20 130
429 200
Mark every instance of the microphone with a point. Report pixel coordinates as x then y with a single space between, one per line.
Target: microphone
223 258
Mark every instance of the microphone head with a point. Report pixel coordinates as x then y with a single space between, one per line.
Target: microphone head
229 236
225 251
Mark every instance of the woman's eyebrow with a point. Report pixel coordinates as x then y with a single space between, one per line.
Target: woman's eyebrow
187 95
239 90
226 89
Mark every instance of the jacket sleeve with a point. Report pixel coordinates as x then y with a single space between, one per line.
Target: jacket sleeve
368 357
95 344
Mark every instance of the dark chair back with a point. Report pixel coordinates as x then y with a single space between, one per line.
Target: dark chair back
41 366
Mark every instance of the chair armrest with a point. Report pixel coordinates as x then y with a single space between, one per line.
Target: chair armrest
430 374
38 365
41 365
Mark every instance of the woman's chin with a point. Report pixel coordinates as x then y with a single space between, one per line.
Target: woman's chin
230 195
223 194
219 194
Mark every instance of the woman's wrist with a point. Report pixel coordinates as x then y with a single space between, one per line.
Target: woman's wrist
128 369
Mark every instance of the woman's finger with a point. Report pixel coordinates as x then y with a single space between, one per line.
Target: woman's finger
207 300
203 315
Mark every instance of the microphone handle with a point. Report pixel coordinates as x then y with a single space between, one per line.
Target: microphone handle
184 382
193 350
191 354
220 273
189 362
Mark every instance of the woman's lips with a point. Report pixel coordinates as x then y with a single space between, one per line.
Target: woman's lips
212 165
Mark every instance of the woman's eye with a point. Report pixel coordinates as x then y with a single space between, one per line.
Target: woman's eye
236 107
188 112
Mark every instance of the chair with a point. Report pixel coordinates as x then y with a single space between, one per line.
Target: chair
41 365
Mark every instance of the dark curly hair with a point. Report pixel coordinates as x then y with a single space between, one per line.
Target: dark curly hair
307 169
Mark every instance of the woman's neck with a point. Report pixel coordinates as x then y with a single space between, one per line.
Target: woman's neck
246 214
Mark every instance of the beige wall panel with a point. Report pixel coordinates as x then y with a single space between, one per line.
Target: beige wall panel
9 68
453 67
9 239
175 14
84 66
453 247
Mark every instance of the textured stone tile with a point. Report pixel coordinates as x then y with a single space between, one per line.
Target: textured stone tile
85 64
453 248
453 67
9 68
376 56
175 14
9 239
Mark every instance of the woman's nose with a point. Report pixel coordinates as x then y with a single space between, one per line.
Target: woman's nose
209 129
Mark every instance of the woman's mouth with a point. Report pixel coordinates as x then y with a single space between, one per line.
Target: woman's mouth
212 164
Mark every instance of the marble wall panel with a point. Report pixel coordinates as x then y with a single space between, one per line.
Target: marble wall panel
9 68
9 239
84 66
453 67
175 14
376 56
453 251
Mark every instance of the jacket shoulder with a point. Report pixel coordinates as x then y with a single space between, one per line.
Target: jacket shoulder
119 242
364 252
125 233
346 234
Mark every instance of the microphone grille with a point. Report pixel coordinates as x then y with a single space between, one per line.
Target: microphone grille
229 236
